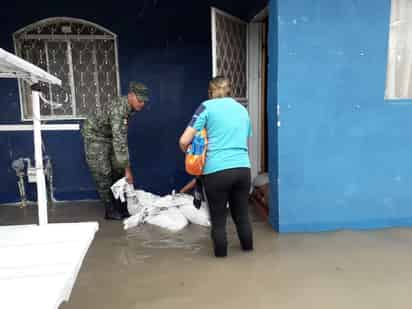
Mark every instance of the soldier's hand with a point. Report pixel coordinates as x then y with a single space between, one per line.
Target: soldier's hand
129 175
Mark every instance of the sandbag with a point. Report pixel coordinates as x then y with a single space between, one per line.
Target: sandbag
172 212
199 216
171 219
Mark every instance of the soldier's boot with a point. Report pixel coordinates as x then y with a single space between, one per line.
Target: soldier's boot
112 213
121 207
126 212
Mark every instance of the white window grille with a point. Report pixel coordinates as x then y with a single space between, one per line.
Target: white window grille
82 54
399 68
229 48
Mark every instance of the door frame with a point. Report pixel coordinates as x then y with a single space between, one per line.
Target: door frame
255 86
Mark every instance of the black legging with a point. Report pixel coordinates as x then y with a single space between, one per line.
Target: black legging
231 186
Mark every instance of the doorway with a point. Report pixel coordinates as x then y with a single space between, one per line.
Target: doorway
264 168
240 52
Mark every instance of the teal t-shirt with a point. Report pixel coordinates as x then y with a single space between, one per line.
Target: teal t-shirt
228 128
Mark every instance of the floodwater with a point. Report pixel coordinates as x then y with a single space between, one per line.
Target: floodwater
148 267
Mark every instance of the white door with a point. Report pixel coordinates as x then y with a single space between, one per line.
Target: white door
232 41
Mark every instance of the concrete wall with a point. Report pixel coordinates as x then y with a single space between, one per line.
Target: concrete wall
344 152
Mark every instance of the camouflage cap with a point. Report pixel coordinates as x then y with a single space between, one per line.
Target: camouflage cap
140 90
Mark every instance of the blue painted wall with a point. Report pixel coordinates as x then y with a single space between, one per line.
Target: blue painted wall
344 152
165 44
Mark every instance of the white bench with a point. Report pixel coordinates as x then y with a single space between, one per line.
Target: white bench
39 264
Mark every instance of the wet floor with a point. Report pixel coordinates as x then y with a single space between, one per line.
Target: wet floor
147 267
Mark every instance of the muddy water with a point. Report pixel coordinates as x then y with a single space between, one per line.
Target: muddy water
150 268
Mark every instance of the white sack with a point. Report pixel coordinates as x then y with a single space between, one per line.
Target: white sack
172 212
170 219
199 216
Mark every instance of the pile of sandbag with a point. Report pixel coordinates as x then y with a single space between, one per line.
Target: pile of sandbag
173 212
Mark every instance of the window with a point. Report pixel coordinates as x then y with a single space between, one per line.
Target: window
399 69
82 54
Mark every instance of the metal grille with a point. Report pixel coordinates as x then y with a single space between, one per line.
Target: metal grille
84 69
230 51
106 68
63 26
34 51
58 65
82 55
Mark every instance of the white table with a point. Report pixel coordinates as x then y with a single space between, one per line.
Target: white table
39 264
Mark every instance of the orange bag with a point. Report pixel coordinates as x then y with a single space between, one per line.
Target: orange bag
196 154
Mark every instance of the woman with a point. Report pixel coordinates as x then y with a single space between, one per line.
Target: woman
226 175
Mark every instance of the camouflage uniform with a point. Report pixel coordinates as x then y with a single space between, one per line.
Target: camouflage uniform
105 143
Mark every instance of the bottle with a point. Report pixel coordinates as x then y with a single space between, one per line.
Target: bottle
197 198
133 204
195 145
197 194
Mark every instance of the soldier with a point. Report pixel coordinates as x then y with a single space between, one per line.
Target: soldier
105 144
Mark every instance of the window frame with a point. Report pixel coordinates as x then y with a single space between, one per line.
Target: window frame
21 35
391 99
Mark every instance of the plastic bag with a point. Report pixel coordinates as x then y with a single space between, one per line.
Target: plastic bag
120 188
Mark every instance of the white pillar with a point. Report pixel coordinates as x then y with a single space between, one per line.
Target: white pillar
38 156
